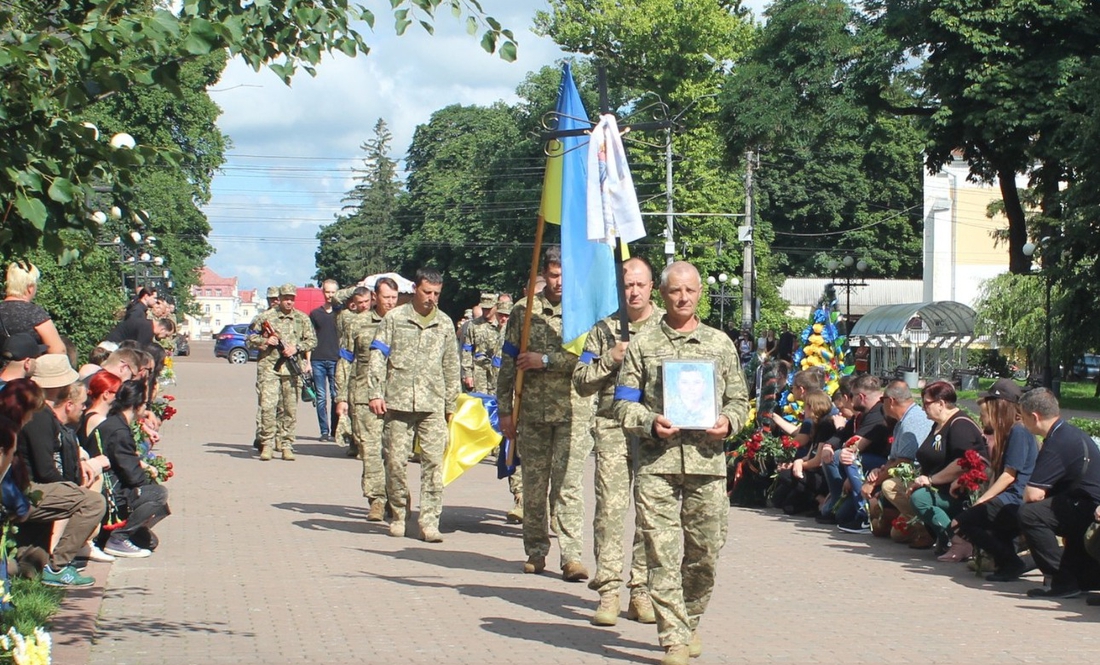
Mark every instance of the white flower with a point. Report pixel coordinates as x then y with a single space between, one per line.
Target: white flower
123 140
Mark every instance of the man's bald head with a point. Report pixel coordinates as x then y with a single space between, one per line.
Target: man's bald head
683 269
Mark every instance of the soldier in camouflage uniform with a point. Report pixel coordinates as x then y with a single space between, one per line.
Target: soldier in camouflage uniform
414 381
253 327
553 425
366 425
680 486
598 372
278 389
475 363
348 322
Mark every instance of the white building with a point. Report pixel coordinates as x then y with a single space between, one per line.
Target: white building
220 303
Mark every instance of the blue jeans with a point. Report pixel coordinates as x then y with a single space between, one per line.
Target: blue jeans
854 506
324 375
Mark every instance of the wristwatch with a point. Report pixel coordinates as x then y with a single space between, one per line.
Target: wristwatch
545 361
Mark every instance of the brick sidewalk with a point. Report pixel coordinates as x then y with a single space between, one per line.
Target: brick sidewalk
273 563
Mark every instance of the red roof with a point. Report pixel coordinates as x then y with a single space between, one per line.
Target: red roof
213 284
247 296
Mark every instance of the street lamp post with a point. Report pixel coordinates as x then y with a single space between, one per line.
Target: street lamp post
720 295
1029 249
848 282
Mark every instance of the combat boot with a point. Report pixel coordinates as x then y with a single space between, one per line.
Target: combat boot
397 529
265 453
377 511
695 646
607 612
641 608
676 654
288 453
535 565
430 535
574 571
515 515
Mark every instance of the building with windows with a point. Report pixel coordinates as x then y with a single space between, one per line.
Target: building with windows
219 303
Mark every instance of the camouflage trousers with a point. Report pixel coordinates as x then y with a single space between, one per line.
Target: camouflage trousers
343 433
614 475
553 467
278 411
515 482
367 431
684 520
481 380
397 441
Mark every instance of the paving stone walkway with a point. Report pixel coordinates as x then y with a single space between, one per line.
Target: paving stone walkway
274 563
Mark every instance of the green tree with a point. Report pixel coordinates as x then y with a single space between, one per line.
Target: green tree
835 177
992 83
1011 309
58 60
359 242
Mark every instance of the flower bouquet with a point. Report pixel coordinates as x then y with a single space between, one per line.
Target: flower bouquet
167 375
755 463
33 649
972 481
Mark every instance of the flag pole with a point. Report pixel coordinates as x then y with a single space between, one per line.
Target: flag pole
525 333
620 283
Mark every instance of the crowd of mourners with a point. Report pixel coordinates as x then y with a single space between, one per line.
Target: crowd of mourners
74 483
1000 490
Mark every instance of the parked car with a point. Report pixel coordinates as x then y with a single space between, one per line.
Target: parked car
232 344
1087 367
183 345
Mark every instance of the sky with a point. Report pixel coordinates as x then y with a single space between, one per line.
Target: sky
293 148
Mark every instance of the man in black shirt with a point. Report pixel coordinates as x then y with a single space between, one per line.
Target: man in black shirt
141 330
1060 498
322 359
866 450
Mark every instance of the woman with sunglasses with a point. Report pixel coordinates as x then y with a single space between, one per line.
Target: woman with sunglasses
952 435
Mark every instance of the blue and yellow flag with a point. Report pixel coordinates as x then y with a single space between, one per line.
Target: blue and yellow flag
589 290
471 435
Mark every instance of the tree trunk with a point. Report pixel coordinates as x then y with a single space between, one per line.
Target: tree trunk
1018 262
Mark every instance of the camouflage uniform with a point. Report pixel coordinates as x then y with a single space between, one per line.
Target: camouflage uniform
482 340
597 372
414 367
278 390
254 327
348 323
553 428
366 426
680 488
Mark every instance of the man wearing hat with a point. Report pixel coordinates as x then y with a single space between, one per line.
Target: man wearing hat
254 327
278 388
55 468
474 376
18 354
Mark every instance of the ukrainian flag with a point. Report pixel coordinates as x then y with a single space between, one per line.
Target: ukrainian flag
472 434
589 291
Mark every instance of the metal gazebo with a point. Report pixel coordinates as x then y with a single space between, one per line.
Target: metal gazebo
930 339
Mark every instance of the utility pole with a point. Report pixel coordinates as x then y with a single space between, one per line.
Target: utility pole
670 242
745 235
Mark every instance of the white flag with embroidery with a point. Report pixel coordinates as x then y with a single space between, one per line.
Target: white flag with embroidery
612 202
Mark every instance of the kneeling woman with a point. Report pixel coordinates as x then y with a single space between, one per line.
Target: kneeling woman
130 482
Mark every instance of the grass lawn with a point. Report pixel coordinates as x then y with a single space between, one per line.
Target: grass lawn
1076 396
34 604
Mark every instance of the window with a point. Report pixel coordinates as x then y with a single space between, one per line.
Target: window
217 308
206 309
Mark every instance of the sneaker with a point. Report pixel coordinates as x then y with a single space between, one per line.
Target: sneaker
1009 573
858 526
122 547
95 554
67 576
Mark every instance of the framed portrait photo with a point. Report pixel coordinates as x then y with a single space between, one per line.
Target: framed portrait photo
690 392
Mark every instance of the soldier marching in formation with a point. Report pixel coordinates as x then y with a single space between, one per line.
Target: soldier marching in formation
400 371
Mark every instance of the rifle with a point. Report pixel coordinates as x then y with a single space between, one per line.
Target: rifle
309 386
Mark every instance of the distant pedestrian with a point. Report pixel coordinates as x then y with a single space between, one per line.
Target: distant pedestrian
322 359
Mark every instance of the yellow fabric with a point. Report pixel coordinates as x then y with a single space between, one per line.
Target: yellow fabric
575 346
471 437
550 208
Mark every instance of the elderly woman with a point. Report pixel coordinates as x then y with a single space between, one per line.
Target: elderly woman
952 435
18 314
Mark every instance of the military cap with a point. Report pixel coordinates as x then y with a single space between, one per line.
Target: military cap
272 292
488 300
288 290
504 307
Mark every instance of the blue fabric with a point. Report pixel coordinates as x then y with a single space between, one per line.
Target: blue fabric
1020 453
479 355
467 347
381 346
496 362
324 376
587 357
628 394
511 349
347 355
